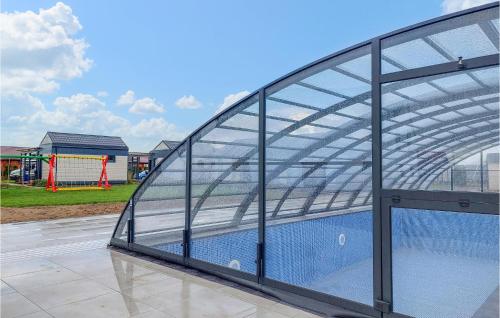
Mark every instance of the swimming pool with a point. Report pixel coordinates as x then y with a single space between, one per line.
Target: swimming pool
443 260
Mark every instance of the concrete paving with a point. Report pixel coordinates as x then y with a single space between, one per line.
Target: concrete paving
62 268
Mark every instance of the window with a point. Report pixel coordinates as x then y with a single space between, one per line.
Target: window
111 158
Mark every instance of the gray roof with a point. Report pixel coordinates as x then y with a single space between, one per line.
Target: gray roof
165 145
164 148
82 140
171 144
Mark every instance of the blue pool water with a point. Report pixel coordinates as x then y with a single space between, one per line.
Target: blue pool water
445 264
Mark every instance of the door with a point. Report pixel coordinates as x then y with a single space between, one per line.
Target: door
442 251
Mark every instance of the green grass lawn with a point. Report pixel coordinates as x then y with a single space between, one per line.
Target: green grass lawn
15 196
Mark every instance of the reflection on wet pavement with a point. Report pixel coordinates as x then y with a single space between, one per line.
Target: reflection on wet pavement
62 268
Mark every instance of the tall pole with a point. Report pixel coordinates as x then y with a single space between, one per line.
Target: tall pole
262 187
381 256
29 170
451 177
8 170
21 171
481 170
186 240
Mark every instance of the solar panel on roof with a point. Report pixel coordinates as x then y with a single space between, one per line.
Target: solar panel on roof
88 140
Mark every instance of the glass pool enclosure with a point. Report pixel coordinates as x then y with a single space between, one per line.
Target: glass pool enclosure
363 184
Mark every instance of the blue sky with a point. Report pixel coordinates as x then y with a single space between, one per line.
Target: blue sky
181 61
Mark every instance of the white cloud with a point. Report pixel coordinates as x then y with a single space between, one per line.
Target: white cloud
66 113
139 106
127 98
188 102
18 104
231 99
450 6
69 112
79 103
146 105
299 115
39 49
152 127
79 113
104 122
146 134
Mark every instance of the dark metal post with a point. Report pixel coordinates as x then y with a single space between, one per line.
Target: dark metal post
29 170
451 177
378 264
481 169
38 168
21 171
131 222
8 171
186 240
262 185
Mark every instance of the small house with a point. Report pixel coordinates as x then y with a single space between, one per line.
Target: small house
86 145
162 150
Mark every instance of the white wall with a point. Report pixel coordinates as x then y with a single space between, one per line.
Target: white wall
118 170
74 170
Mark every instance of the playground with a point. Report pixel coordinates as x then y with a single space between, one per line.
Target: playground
58 186
22 203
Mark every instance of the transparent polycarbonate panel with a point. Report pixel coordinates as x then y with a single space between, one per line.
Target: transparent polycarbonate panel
224 189
467 174
491 169
318 178
442 181
444 264
160 205
433 128
467 36
122 228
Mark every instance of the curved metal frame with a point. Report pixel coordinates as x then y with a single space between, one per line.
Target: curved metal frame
371 184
